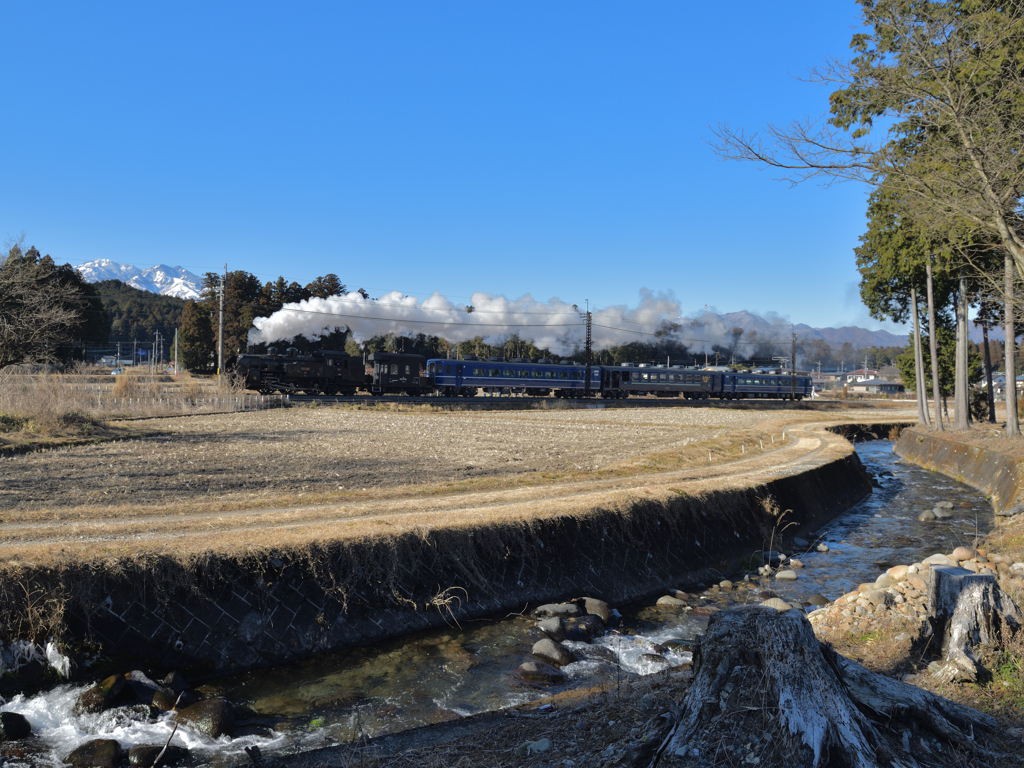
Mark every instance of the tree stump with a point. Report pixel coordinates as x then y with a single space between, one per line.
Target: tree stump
967 612
765 687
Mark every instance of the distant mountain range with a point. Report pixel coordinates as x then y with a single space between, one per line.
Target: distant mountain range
715 326
167 281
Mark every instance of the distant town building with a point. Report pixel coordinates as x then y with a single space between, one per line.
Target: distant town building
876 387
861 374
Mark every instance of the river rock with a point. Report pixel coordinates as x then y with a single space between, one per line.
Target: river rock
786 575
537 672
98 753
144 755
899 572
822 547
941 513
926 516
795 564
667 601
13 726
599 608
558 609
554 653
1011 511
945 505
654 661
884 581
214 717
817 599
102 695
176 682
553 628
801 543
583 628
777 603
148 692
726 584
917 583
937 559
963 553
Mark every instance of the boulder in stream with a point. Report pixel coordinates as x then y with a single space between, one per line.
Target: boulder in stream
558 609
98 753
101 696
599 608
144 755
214 717
553 628
583 628
554 653
536 672
13 726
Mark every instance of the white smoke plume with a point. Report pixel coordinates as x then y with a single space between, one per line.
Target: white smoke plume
554 325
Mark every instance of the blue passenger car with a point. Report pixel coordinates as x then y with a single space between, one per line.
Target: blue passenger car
619 381
742 386
495 376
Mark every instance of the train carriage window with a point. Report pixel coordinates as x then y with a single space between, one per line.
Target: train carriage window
664 377
494 372
449 368
407 371
458 370
394 369
547 375
562 375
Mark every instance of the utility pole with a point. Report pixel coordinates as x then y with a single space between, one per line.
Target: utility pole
220 331
175 351
587 344
792 367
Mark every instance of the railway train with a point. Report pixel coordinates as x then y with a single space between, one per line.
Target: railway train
338 373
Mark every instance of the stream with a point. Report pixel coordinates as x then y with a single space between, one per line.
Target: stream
442 675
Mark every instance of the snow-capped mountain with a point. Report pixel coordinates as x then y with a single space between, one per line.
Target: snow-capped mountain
168 281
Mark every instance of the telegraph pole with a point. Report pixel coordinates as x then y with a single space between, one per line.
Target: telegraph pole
792 368
175 351
220 331
587 344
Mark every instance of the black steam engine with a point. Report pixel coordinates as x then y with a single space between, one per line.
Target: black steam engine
332 373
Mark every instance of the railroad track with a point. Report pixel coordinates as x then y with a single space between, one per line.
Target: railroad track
499 402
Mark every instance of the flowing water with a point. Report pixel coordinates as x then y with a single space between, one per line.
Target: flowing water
442 675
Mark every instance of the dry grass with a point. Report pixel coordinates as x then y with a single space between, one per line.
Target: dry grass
215 481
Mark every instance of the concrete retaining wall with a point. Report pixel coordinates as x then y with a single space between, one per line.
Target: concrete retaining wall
998 476
220 615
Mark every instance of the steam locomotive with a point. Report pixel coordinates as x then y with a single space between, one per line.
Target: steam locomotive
332 373
338 373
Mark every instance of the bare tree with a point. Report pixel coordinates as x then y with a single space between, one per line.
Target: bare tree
38 311
948 86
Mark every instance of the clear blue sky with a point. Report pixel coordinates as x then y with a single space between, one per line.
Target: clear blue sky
557 149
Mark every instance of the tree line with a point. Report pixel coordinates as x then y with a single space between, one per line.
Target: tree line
49 313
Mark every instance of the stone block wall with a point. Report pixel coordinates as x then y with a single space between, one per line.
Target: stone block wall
271 606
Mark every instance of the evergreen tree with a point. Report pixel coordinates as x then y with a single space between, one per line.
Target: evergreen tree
197 348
